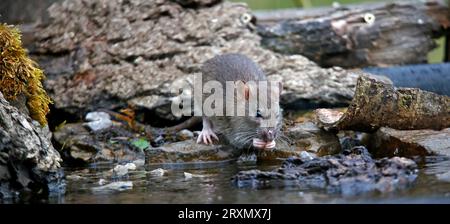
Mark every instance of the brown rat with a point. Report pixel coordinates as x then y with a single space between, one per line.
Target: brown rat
240 131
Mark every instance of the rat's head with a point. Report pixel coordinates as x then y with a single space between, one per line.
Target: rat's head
268 127
261 125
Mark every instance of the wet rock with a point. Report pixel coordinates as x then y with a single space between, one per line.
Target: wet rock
185 135
114 186
247 158
189 151
28 161
348 142
122 170
158 172
308 137
377 104
139 162
102 57
190 175
300 137
77 144
351 173
278 154
102 182
305 156
410 143
98 121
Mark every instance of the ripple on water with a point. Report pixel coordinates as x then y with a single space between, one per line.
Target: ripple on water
211 184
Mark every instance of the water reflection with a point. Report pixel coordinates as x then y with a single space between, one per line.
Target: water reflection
213 185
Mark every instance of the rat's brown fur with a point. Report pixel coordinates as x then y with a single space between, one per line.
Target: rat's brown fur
238 131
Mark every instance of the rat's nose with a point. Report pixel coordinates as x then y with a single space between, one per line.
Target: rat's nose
268 135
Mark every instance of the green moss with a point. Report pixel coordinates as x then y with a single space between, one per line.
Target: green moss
21 75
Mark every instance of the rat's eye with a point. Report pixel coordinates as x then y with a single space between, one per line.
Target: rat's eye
258 113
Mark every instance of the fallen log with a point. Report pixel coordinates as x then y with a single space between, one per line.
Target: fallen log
377 104
379 34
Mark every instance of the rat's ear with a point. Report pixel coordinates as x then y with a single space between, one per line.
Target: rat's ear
242 84
246 92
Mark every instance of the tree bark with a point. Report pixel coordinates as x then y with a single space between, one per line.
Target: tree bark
379 34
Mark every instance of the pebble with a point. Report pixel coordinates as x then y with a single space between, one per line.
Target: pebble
185 135
121 170
190 175
158 172
115 186
98 121
306 156
102 182
247 158
139 162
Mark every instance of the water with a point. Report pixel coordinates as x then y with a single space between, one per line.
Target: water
213 185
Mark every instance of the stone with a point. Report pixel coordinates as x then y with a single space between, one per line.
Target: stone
98 121
185 135
190 175
387 142
247 158
278 154
78 145
190 152
353 172
305 156
122 170
187 175
158 172
114 186
139 162
308 137
102 182
28 161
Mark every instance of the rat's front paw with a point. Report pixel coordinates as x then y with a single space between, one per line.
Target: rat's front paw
206 137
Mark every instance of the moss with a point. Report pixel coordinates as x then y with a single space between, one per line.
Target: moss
21 75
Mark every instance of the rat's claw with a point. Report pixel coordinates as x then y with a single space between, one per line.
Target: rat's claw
215 136
205 137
